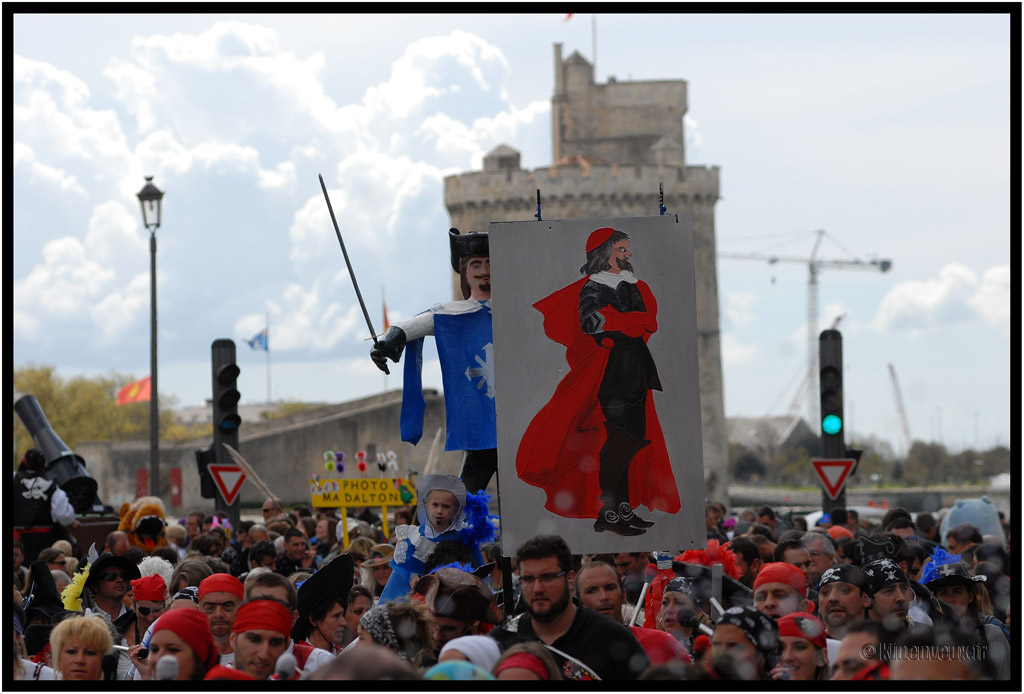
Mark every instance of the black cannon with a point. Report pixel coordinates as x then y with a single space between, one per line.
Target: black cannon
62 465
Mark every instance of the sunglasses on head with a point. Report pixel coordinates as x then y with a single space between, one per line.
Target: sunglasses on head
144 611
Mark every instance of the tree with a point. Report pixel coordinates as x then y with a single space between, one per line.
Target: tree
85 409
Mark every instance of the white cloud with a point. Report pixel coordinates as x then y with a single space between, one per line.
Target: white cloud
735 353
64 285
738 307
992 300
955 296
135 87
51 111
305 319
114 314
81 278
25 157
694 135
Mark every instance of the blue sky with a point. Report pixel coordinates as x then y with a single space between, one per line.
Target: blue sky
891 132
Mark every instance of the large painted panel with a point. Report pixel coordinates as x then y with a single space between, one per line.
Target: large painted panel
596 383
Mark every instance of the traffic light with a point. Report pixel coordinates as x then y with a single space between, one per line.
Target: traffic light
204 457
830 379
225 398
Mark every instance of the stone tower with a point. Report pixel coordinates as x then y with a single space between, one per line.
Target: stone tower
613 144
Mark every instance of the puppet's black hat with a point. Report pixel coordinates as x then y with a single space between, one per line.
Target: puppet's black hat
467 245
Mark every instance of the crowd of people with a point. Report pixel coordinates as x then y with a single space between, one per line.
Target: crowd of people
767 599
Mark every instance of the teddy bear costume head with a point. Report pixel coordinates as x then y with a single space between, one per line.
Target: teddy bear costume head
978 512
144 522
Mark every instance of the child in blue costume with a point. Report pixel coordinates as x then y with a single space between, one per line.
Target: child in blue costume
445 512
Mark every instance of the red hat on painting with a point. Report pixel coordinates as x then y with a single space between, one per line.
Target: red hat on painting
598 237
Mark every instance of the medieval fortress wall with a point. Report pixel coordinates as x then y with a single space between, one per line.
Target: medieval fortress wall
613 144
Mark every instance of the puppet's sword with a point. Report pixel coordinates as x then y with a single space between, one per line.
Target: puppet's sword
362 305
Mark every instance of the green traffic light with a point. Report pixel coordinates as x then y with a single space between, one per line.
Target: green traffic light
831 424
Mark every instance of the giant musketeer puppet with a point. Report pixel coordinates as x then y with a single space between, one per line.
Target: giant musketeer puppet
462 331
596 448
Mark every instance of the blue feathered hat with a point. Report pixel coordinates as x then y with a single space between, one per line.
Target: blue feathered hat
945 568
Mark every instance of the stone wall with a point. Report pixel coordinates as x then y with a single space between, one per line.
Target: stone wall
285 452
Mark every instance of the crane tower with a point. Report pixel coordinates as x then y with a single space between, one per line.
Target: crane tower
814 266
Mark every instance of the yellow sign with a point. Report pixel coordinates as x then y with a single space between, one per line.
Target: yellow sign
376 491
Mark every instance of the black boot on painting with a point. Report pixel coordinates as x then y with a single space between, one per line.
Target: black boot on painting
609 519
630 518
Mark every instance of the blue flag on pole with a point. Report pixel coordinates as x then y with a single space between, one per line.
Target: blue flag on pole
464 346
259 340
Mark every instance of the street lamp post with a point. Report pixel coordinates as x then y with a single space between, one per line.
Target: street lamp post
151 200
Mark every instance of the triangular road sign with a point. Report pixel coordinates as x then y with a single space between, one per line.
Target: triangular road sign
832 473
228 479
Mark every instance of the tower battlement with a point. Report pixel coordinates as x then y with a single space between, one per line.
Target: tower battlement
614 144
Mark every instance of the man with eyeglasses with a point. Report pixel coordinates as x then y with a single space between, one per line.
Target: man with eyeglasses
585 644
823 554
219 598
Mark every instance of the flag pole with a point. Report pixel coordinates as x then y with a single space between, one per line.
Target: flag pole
384 304
267 338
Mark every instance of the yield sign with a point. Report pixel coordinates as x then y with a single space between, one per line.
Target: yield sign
229 480
833 473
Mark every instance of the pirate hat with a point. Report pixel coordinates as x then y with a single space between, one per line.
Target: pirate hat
467 245
332 580
110 561
38 635
43 599
733 592
380 555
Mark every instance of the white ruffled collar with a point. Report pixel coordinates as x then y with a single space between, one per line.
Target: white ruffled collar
610 279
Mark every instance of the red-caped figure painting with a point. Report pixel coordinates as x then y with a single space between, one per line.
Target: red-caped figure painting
596 448
597 386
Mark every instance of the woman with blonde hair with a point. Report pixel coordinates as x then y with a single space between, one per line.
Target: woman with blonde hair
78 645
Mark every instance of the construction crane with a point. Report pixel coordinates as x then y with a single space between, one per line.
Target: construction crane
814 266
899 406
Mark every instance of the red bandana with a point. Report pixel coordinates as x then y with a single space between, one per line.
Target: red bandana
263 614
193 628
803 625
781 572
149 588
221 583
527 662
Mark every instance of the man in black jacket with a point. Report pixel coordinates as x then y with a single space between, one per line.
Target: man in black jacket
584 643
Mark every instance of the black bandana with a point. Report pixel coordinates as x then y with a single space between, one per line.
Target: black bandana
883 573
847 573
759 629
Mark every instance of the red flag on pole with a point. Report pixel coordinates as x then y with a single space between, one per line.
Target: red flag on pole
137 391
386 323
